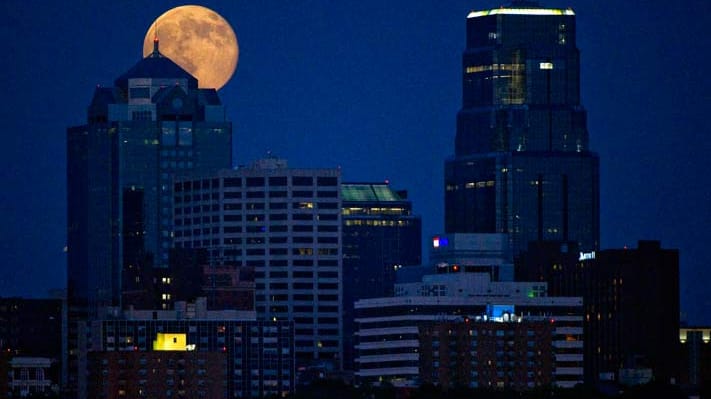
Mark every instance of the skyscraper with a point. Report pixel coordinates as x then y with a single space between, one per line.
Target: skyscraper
283 225
522 165
153 125
380 235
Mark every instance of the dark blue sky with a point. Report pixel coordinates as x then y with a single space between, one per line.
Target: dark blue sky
373 87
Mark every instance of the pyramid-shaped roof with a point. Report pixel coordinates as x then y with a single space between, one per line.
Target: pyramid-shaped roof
156 66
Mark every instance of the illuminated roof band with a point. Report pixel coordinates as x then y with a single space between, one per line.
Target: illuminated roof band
521 11
378 192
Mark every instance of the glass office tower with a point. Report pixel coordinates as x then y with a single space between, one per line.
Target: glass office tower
152 126
522 165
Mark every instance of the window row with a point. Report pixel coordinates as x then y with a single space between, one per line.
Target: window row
187 232
280 181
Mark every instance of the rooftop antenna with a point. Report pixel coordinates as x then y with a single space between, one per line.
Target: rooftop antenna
156 53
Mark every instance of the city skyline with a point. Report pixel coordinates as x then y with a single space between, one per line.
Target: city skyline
374 90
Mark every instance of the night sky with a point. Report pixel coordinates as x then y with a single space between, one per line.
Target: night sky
372 87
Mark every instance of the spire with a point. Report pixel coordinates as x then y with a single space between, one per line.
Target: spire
156 53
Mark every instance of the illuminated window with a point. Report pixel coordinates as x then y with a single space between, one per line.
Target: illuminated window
545 65
495 68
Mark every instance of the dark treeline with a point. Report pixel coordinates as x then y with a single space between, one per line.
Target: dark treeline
338 390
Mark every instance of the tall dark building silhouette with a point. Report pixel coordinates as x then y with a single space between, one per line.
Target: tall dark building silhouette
522 165
633 306
380 235
631 302
695 354
32 328
154 124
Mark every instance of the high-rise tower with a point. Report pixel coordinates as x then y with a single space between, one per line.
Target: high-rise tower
381 234
152 126
283 226
522 165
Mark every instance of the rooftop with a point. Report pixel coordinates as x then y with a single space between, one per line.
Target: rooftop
368 192
521 11
156 66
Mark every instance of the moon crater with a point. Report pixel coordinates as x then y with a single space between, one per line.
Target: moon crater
199 40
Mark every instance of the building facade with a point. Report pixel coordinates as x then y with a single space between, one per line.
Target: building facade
695 343
632 310
390 346
380 236
631 300
154 124
33 329
522 163
555 262
190 352
515 355
30 376
473 253
284 226
164 374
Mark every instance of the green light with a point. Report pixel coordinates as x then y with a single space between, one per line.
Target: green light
530 294
368 192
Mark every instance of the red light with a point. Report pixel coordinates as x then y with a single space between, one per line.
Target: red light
135 348
224 349
552 321
455 268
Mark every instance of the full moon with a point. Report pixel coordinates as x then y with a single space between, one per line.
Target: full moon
199 40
